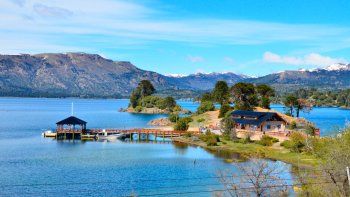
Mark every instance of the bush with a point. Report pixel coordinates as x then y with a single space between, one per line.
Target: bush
267 140
287 144
212 142
205 106
173 117
138 109
293 125
182 124
245 140
188 134
210 138
200 120
296 142
187 119
177 108
310 130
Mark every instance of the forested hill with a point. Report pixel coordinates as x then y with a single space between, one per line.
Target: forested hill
88 75
335 76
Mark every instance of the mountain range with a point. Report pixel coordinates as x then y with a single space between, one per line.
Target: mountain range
90 75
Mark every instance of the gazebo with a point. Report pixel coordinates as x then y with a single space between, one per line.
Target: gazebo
67 127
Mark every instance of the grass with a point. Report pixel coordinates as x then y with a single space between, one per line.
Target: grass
253 150
194 123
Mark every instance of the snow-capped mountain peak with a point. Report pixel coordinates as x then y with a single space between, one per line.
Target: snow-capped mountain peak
336 67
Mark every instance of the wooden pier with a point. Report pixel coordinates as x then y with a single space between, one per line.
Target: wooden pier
62 134
66 129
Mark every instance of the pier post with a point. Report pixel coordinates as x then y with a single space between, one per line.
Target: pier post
139 135
163 135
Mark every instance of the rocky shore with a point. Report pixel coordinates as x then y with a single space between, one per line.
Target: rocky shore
160 122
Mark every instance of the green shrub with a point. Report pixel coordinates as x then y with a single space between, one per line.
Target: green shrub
212 141
138 109
187 119
310 130
293 125
267 140
177 108
287 144
205 106
296 142
245 140
200 120
182 124
188 134
173 117
210 138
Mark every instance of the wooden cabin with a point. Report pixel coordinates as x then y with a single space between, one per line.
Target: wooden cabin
258 121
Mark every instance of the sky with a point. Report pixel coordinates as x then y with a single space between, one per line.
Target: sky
247 37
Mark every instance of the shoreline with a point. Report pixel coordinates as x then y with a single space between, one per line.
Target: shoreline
251 150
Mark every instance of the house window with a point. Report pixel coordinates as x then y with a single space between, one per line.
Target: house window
268 126
279 126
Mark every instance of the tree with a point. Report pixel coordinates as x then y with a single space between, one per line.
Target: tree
334 154
220 93
302 104
146 88
244 96
134 98
206 97
265 92
290 101
169 102
228 127
182 124
174 117
224 109
205 106
259 177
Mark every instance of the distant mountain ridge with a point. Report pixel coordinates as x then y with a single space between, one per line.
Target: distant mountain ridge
90 75
336 76
87 75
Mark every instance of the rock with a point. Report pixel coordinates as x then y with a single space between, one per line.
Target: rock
160 122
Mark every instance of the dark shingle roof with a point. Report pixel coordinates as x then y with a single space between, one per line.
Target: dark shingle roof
252 117
72 120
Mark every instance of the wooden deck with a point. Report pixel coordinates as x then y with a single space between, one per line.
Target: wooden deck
89 133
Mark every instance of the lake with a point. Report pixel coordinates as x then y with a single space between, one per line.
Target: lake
35 166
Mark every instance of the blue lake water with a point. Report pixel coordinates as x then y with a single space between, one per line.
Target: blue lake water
35 166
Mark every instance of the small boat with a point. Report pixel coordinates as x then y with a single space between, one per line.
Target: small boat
111 137
48 133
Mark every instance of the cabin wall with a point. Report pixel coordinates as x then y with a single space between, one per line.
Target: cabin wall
269 126
274 126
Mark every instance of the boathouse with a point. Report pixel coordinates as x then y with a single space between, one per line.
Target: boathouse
70 128
258 121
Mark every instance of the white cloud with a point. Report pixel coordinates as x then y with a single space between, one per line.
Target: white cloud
195 59
312 59
47 11
128 22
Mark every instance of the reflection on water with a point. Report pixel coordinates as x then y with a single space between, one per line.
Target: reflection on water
226 155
